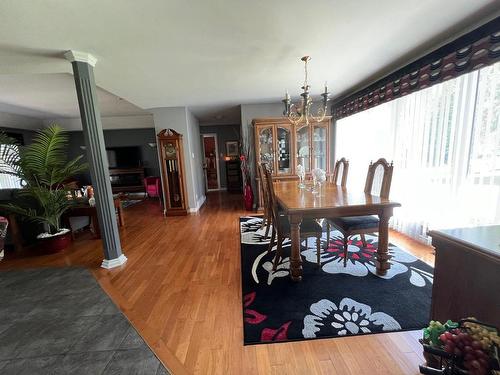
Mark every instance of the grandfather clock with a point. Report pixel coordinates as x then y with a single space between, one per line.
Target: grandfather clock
172 168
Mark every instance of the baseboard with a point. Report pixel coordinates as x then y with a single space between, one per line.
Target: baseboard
112 263
198 205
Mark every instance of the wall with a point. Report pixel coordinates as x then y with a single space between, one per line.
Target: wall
20 123
182 120
26 134
108 122
224 133
121 138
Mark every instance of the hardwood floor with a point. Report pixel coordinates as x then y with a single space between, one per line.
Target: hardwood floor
181 289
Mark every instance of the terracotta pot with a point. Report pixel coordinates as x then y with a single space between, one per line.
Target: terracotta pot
55 244
248 196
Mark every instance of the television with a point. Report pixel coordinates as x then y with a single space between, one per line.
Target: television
124 157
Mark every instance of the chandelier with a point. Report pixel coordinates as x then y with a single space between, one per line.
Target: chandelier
301 112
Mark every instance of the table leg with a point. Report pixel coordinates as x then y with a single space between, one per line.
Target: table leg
382 261
295 259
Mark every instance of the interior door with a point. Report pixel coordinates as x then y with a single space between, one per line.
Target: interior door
211 163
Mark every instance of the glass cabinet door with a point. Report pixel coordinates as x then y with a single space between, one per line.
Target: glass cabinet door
283 149
319 147
303 146
266 152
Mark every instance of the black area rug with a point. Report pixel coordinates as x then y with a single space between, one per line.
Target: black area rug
59 321
331 301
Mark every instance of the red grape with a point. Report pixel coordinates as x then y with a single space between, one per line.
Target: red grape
475 364
468 349
448 335
443 338
457 352
476 344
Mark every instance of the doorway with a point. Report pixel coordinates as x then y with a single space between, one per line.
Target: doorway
211 163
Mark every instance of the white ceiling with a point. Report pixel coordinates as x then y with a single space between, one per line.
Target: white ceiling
213 55
49 96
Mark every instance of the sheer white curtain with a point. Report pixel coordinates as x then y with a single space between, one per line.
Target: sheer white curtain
445 145
7 181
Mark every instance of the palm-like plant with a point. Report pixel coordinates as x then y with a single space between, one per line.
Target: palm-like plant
43 169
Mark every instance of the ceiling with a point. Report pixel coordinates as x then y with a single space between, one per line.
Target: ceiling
213 55
49 96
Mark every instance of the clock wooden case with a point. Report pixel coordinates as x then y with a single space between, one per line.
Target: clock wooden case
172 168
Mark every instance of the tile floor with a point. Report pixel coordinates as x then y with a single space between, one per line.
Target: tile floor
60 321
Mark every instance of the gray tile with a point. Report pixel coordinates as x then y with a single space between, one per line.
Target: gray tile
47 282
85 363
134 361
107 333
133 340
78 304
17 308
162 370
35 338
29 366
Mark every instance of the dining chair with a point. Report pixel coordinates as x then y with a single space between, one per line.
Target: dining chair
281 224
378 182
267 217
340 171
339 177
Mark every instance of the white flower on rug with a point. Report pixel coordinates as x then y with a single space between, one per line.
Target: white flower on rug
418 277
349 317
252 232
282 269
361 260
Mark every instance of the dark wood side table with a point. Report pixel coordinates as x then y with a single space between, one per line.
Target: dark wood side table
467 274
86 210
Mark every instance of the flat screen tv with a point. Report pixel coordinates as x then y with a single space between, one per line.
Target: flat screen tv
124 157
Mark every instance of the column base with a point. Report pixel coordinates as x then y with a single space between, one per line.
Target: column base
112 263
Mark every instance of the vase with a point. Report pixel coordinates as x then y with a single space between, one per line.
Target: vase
248 197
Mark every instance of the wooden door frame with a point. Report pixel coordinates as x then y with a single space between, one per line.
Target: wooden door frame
207 135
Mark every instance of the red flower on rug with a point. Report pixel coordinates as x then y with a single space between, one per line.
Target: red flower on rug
252 316
280 334
336 247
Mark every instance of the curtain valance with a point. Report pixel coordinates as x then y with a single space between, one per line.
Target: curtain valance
474 50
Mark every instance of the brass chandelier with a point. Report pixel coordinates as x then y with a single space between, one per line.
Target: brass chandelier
301 112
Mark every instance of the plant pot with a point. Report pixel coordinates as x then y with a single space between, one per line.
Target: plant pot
55 243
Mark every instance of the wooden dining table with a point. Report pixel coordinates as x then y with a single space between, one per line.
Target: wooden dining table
332 201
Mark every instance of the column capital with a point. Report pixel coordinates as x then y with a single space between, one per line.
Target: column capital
85 57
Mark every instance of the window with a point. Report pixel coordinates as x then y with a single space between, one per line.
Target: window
6 180
445 144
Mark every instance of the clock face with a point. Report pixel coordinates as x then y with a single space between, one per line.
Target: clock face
170 151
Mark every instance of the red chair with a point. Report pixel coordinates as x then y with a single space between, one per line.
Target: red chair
152 186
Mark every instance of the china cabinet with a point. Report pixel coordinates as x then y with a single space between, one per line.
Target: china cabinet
172 168
284 146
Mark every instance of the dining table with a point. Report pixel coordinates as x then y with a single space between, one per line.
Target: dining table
329 201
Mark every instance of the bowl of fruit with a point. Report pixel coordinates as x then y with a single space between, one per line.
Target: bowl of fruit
468 347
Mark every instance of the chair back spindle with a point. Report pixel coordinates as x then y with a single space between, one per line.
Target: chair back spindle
340 171
379 178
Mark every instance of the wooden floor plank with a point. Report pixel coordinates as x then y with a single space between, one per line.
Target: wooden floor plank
181 288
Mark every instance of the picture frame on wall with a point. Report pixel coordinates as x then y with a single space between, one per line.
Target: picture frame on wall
232 148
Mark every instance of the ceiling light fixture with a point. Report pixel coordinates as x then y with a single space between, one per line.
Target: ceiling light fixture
301 113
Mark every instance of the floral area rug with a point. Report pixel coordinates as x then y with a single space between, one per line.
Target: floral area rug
331 300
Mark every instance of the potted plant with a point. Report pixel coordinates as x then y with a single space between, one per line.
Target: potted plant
43 169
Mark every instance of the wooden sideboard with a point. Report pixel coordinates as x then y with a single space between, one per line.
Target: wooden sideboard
467 274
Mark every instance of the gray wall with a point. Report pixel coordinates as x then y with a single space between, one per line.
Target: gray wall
26 134
224 133
181 120
122 138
